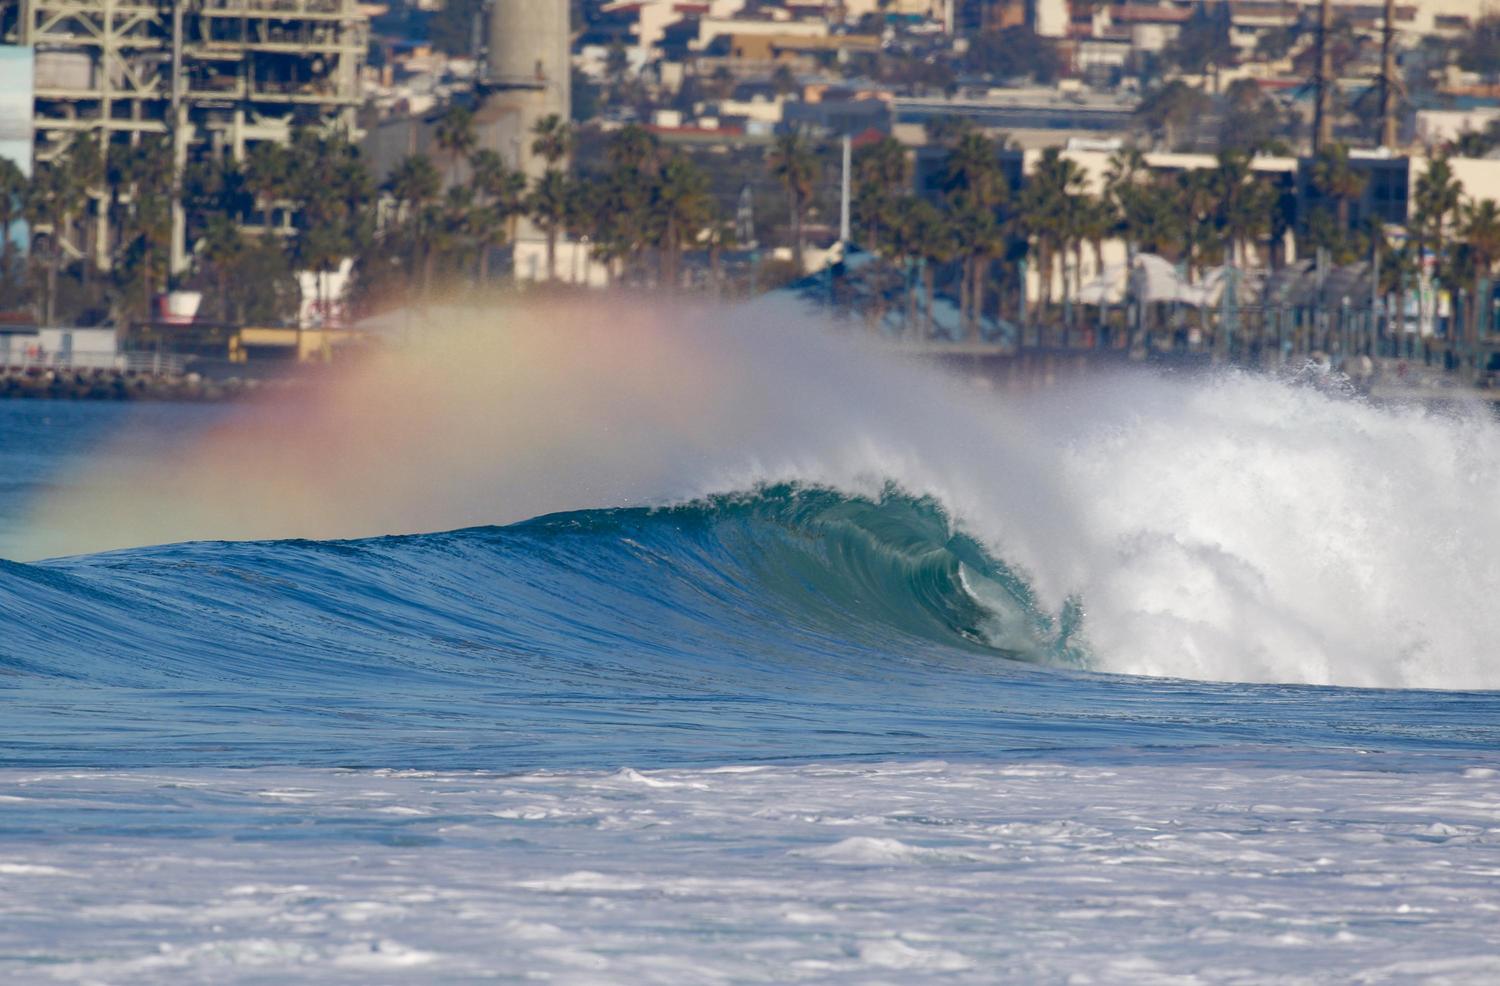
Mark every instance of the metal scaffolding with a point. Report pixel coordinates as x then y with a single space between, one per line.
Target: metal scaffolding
215 75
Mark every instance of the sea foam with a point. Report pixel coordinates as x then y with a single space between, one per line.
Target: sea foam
1226 526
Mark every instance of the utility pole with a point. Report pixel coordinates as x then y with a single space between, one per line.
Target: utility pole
177 254
844 231
1390 85
1323 120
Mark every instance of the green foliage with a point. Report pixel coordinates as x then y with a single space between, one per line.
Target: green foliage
1480 49
1203 45
452 29
1168 111
1014 53
793 161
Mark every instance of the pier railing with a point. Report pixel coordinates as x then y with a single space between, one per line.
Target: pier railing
144 363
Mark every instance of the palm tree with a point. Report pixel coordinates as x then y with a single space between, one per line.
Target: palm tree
681 208
222 248
12 189
552 139
455 135
1245 204
1123 177
52 196
1157 220
881 176
1437 197
501 192
85 163
1198 198
1481 231
549 206
936 237
1049 213
1335 179
267 175
914 216
414 185
1167 111
794 163
974 187
634 147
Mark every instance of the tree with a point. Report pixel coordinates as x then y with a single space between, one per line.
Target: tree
907 236
223 249
1437 196
1049 214
1124 177
974 188
946 129
414 184
1197 202
1335 180
935 238
331 188
681 208
1203 46
452 28
455 135
549 207
502 193
634 147
1245 203
12 190
1481 231
144 171
268 175
881 176
552 139
1252 120
1166 112
1014 53
1480 50
794 163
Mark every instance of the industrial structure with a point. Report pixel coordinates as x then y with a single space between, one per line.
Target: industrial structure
215 76
527 73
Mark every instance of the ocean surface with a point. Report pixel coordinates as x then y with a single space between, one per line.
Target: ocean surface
1219 705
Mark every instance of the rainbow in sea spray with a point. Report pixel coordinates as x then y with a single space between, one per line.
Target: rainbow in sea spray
634 642
1232 527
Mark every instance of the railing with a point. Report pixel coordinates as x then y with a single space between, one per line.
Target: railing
151 364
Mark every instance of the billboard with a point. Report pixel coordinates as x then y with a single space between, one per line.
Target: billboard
16 73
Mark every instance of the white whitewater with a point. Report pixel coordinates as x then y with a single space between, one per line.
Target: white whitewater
1230 527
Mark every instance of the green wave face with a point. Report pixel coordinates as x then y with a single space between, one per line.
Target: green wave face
850 566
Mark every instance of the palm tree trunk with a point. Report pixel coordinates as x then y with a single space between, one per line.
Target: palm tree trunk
551 252
797 232
54 261
976 306
966 271
911 301
928 279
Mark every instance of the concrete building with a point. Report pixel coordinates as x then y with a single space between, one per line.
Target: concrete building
1033 117
527 76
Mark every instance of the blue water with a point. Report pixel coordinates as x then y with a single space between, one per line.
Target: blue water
781 733
781 624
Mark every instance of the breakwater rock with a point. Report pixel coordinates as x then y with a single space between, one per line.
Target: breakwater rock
119 385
